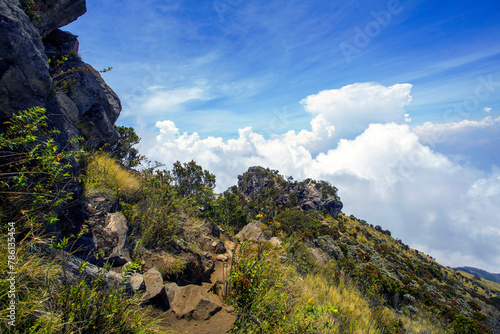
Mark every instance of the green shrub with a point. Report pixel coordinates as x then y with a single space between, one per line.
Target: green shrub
35 177
155 217
306 223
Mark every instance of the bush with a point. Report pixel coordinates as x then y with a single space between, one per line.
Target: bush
191 179
35 177
294 221
229 212
124 150
155 217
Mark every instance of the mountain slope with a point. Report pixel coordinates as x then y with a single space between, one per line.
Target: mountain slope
481 273
386 271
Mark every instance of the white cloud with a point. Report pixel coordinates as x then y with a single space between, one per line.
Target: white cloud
387 175
352 108
487 110
162 100
471 142
435 133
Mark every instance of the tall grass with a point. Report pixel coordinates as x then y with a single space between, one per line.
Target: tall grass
103 174
47 303
272 296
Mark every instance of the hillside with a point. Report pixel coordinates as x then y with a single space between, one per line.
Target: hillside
481 273
101 240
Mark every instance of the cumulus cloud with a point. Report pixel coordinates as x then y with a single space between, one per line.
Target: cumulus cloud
387 174
472 142
352 108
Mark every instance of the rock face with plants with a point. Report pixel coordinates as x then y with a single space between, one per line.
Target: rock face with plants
40 66
107 245
265 190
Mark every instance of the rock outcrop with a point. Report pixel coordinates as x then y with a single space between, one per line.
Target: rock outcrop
258 183
58 13
78 101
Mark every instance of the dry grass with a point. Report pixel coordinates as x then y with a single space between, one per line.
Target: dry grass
105 175
46 303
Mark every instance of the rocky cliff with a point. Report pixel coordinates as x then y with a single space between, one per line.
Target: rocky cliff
40 66
260 183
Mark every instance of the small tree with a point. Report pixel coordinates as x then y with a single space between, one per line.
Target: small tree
229 211
191 180
124 150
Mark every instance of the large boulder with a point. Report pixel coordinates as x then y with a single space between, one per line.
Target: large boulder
109 229
116 225
192 302
155 289
251 231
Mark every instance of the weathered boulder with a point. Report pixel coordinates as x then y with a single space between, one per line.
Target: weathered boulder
137 283
251 231
218 247
58 13
155 289
61 43
193 302
109 229
116 225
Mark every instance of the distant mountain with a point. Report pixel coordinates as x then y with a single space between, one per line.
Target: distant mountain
481 273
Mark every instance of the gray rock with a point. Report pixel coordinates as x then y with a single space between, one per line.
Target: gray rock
218 247
117 226
155 289
251 231
88 109
24 71
409 299
171 289
193 302
275 241
109 229
61 43
137 283
222 257
58 13
207 262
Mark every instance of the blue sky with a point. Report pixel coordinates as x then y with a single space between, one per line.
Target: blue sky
395 102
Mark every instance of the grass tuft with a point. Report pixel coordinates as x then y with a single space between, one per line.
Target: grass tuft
105 175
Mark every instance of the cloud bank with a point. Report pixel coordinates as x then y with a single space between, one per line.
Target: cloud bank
387 172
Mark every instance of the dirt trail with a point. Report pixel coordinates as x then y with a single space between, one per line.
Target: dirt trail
222 321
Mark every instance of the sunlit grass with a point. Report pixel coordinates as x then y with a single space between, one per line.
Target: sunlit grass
105 175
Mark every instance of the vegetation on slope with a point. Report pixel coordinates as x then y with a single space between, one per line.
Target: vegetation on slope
330 274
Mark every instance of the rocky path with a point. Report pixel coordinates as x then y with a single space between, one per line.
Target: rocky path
196 309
